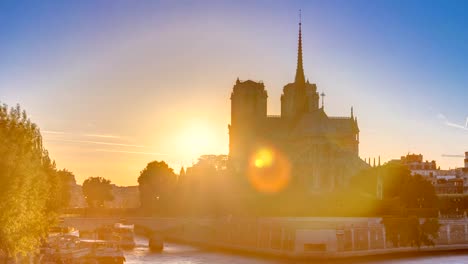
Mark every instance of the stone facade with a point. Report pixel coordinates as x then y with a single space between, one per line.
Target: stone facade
323 150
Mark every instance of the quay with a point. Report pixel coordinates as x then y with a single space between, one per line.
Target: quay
302 237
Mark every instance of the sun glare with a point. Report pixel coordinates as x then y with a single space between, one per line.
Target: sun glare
197 139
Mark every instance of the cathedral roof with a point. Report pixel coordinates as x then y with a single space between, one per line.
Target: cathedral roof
313 123
342 125
317 123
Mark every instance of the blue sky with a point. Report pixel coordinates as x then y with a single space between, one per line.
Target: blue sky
116 84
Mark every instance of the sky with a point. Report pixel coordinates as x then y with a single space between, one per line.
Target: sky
116 84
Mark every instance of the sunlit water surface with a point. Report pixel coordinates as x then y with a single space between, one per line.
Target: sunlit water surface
182 254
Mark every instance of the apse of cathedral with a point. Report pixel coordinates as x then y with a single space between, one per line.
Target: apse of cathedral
321 151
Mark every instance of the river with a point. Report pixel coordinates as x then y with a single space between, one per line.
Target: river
183 254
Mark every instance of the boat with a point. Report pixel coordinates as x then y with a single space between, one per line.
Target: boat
121 234
60 230
66 248
63 249
126 234
103 251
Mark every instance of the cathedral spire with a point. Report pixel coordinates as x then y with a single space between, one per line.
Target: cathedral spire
300 70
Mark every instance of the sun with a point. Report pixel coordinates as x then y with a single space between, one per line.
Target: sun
197 138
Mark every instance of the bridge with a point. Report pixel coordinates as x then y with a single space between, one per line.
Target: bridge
145 226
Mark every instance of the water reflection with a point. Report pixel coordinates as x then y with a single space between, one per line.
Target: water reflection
183 254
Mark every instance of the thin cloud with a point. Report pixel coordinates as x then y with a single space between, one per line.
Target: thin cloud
53 132
100 143
451 124
80 135
101 136
132 152
452 156
456 125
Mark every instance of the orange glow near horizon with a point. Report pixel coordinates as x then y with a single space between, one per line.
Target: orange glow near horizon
197 138
269 171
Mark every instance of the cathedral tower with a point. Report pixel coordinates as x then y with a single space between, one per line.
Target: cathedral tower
248 115
300 96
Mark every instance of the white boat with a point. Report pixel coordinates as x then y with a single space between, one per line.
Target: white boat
64 248
103 251
59 230
126 235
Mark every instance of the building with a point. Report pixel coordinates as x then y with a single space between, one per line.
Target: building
449 185
322 150
466 162
451 181
417 165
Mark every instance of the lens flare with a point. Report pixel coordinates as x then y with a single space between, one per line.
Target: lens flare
263 158
269 171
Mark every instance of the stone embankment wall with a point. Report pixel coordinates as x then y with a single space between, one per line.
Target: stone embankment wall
295 237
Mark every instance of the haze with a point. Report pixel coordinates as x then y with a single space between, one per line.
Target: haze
117 84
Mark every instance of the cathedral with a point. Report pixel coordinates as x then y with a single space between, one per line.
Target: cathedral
323 150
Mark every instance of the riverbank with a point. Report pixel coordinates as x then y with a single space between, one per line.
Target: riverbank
346 257
185 253
292 238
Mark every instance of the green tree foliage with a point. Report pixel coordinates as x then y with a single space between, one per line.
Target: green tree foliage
411 231
393 176
411 191
97 190
453 204
28 184
416 192
156 184
66 180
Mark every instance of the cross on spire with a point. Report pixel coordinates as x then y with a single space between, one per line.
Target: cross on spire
323 99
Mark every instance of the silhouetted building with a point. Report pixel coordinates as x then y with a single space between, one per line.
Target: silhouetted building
466 161
323 150
449 185
415 163
445 181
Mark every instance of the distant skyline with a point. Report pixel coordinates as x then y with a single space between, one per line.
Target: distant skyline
116 84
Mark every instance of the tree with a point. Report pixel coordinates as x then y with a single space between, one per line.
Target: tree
411 231
97 190
156 182
205 188
28 189
412 191
66 180
417 192
393 175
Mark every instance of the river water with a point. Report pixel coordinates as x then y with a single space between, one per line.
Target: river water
182 254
